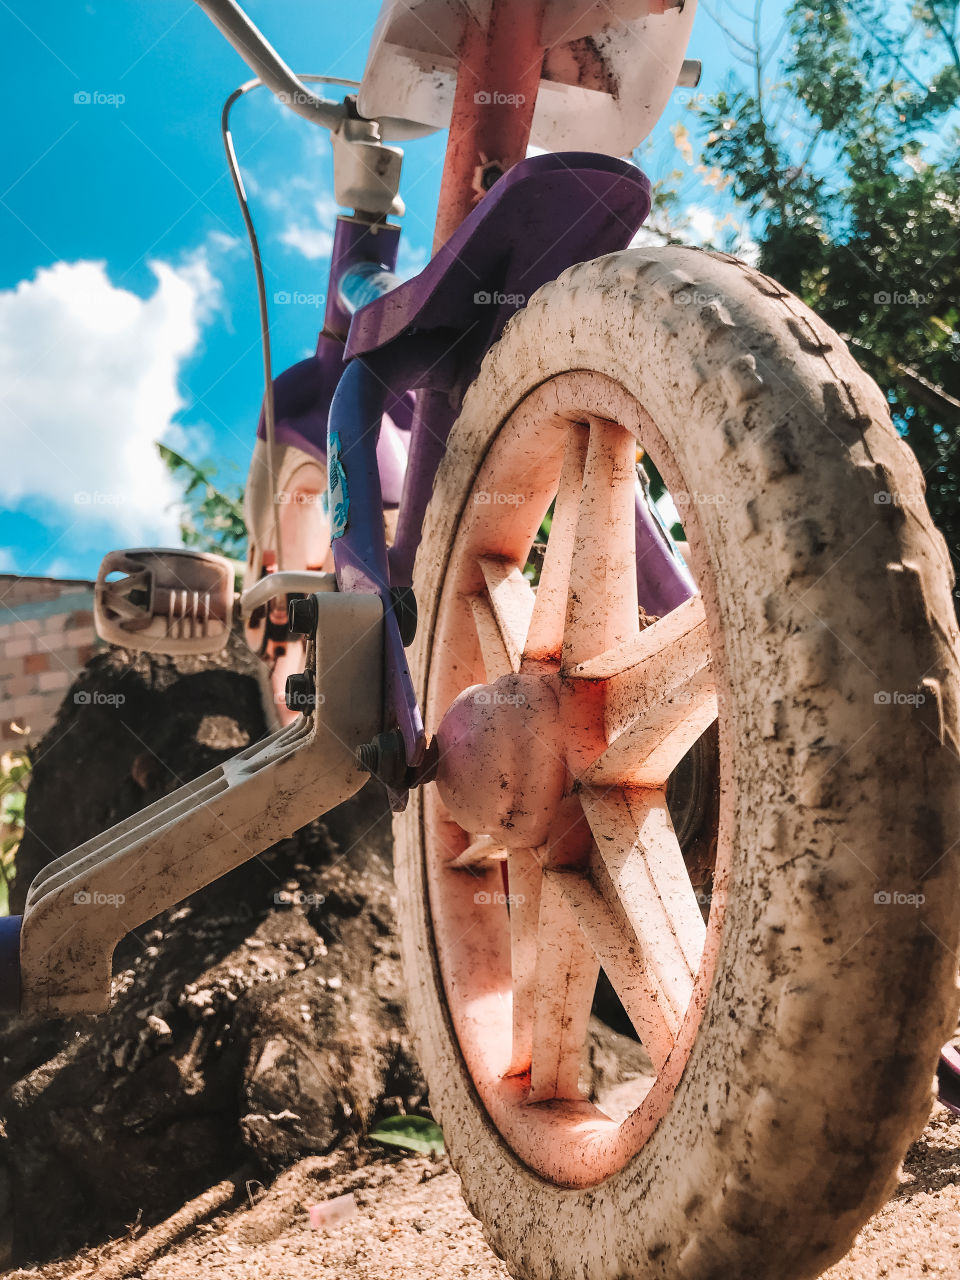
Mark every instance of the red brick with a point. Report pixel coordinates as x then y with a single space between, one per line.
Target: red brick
81 618
35 662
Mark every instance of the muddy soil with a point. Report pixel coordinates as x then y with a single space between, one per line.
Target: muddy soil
405 1220
215 1123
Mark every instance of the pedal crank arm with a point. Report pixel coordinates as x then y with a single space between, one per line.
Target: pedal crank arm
80 906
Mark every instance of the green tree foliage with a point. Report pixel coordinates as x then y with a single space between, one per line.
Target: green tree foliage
849 166
212 518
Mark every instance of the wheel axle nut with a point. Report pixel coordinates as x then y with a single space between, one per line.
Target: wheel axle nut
300 693
384 758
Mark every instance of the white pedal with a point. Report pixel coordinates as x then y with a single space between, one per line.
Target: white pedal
164 600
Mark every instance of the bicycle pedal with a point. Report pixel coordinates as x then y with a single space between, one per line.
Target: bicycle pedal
162 600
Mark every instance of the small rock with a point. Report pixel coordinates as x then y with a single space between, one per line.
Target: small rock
159 1027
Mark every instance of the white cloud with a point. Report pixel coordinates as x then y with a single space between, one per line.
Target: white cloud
309 233
88 379
312 242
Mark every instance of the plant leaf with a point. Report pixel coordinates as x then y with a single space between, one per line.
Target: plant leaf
413 1133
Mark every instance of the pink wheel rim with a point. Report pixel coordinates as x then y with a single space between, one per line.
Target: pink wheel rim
559 720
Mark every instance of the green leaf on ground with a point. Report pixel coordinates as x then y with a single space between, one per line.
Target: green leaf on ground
414 1133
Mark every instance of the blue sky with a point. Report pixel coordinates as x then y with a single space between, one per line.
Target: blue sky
127 307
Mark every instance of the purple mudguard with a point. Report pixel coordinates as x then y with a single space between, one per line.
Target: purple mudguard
431 334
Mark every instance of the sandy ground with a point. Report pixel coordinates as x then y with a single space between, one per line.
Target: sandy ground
405 1220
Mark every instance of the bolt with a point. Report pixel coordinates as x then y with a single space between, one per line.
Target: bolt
489 174
303 614
300 692
368 757
385 758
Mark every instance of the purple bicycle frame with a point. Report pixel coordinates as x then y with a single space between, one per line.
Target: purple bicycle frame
350 405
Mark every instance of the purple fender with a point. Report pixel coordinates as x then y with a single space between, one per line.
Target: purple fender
431 333
545 214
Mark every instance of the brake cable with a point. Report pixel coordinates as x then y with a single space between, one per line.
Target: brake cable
233 165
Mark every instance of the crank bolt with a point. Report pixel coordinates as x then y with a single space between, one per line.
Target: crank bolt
303 614
301 693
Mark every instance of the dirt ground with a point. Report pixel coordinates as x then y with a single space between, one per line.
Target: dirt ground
260 1027
405 1220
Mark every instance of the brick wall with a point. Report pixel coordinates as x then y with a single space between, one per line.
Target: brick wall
46 637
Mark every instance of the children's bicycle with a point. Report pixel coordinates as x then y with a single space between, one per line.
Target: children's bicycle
721 772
